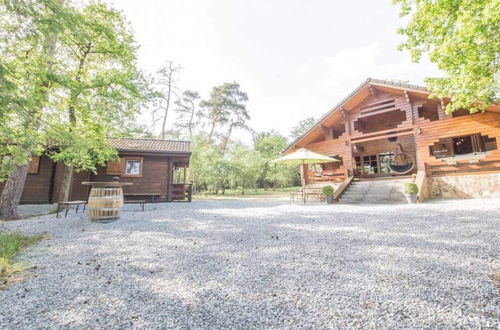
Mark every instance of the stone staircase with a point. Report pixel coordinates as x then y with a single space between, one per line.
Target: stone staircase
375 191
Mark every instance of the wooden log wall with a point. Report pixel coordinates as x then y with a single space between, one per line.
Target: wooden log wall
424 124
38 188
428 133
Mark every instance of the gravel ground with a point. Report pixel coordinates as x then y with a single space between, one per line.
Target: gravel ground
263 264
32 210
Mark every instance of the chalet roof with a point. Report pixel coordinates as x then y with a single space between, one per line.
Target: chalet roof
369 81
150 145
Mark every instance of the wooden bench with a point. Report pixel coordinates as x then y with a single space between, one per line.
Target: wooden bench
142 203
152 196
68 206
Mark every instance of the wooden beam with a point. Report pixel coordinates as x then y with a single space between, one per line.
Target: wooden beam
382 137
378 112
326 132
407 96
371 89
347 120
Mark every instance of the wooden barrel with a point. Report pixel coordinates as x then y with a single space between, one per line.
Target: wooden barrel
105 203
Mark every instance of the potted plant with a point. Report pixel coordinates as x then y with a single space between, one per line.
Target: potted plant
411 191
328 192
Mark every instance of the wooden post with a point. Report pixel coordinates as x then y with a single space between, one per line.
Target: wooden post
170 183
303 174
185 174
347 120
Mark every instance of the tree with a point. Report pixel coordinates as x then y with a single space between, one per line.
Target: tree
244 167
98 87
166 91
28 31
302 127
462 38
225 106
187 111
269 146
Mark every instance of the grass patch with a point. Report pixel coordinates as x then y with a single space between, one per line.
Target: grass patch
249 192
11 244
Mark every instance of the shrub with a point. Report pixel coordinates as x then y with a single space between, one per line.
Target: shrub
328 190
411 188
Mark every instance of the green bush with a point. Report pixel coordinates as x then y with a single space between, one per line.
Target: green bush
411 188
328 190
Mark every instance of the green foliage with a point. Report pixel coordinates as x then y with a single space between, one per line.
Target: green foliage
98 87
328 190
302 127
462 38
240 167
226 109
68 79
410 188
187 112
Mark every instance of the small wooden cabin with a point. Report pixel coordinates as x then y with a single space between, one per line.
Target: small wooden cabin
382 123
158 169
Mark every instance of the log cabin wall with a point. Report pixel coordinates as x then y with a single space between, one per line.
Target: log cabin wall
418 123
37 188
429 133
154 177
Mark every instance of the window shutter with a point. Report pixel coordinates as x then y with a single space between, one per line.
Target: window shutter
115 168
34 165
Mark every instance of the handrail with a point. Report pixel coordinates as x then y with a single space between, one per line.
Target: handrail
342 187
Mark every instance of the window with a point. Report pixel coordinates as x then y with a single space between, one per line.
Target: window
133 166
34 165
462 145
115 168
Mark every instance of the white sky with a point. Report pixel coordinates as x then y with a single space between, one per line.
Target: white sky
294 58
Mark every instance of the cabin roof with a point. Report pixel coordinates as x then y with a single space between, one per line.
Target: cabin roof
395 85
150 145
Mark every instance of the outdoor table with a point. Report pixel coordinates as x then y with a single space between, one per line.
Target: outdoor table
105 200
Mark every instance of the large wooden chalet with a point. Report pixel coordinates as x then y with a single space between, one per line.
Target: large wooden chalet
390 129
158 170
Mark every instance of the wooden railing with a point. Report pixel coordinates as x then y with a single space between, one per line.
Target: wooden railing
342 187
182 192
464 168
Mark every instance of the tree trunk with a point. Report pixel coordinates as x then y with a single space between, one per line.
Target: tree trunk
226 139
66 184
11 194
212 130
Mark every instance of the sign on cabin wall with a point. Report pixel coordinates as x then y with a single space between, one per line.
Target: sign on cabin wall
34 165
115 168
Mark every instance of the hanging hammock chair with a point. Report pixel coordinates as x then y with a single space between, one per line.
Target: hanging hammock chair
402 163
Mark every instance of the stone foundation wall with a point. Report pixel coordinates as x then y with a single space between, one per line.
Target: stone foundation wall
465 186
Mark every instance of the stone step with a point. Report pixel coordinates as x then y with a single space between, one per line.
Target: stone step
386 191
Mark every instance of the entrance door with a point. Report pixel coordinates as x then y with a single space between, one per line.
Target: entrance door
386 160
367 165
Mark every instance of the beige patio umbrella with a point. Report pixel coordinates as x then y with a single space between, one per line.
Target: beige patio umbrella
304 156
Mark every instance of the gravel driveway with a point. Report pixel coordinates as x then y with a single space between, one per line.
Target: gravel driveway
250 264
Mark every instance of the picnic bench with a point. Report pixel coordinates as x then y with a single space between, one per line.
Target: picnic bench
142 203
305 194
152 196
68 206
